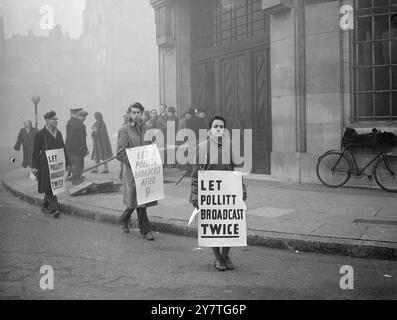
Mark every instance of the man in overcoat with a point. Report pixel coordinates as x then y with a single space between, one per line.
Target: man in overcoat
25 139
76 144
132 135
48 138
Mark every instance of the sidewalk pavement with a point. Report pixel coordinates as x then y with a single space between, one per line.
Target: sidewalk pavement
357 222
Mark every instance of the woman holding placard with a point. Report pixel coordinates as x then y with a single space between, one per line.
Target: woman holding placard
218 156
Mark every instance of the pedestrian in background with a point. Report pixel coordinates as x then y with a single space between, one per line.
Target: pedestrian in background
48 138
25 139
145 117
202 115
76 144
69 125
171 121
154 121
218 157
102 150
182 120
171 117
163 111
182 125
163 117
195 124
126 119
130 136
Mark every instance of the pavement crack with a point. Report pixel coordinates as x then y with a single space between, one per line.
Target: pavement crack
365 230
119 278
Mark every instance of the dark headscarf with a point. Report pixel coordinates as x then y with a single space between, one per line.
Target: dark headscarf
98 116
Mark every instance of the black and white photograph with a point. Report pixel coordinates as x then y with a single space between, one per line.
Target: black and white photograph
195 157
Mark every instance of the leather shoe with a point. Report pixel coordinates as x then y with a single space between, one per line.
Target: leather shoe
45 210
124 222
125 228
56 214
219 265
149 236
228 263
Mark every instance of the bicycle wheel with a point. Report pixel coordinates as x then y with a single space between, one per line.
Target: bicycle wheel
333 169
385 172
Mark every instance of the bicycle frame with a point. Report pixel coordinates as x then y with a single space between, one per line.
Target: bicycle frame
357 170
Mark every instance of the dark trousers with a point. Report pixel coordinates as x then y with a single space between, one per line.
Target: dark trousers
143 221
77 167
50 202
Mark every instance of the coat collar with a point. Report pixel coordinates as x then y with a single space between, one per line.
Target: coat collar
132 124
215 140
53 133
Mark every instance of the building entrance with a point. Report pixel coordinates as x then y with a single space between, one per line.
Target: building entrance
231 69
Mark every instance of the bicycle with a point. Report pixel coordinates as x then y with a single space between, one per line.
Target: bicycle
334 168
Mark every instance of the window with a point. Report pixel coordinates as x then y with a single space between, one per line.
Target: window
225 21
375 60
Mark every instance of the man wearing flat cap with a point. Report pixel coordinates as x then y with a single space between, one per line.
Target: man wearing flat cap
48 138
76 143
82 115
73 115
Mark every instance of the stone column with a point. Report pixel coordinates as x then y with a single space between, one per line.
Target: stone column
173 40
346 52
288 87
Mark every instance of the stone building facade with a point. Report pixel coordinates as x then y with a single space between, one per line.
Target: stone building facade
296 72
36 65
119 52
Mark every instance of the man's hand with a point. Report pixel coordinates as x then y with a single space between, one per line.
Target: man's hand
35 171
195 204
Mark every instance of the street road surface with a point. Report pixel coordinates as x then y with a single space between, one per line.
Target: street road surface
97 261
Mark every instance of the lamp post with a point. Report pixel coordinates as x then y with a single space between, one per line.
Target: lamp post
35 100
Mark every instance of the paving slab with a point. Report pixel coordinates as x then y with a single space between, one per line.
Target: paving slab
281 214
380 233
346 231
270 212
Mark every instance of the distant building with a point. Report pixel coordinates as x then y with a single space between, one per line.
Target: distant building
40 65
111 65
120 55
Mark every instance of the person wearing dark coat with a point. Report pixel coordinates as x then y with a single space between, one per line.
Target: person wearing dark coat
132 135
73 115
218 157
102 149
196 124
25 139
48 138
76 144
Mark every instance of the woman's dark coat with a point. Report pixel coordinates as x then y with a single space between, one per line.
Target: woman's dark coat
100 138
43 141
213 152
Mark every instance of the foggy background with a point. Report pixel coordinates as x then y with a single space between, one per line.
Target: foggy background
100 55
